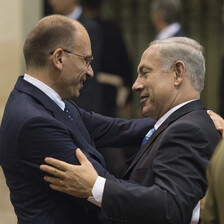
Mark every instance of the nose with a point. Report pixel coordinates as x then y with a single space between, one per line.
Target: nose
137 86
90 72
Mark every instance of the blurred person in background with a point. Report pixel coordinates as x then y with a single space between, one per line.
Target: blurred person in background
214 200
115 73
166 16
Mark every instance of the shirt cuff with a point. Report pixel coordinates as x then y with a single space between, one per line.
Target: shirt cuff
97 191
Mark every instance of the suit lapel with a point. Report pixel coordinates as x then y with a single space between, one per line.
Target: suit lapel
194 105
43 99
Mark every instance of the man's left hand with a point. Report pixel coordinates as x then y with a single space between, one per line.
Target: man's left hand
218 121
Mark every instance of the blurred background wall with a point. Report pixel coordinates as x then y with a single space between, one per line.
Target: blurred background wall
201 20
17 18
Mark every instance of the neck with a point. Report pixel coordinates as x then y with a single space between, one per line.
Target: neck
42 75
182 98
162 26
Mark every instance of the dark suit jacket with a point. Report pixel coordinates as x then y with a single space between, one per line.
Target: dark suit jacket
179 33
34 127
171 167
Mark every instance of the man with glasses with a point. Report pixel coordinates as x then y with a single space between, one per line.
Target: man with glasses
40 120
88 59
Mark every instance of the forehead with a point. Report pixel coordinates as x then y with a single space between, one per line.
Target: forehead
150 57
82 40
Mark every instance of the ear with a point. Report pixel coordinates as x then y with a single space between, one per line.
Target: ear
57 58
179 72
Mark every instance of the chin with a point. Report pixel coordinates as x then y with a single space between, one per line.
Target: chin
146 112
76 95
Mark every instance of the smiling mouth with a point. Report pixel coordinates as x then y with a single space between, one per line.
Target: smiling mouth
82 81
143 98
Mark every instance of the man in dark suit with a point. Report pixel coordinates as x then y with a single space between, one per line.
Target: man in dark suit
166 178
40 120
166 16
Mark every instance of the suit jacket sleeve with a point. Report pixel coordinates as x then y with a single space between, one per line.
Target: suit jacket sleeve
178 181
115 132
52 139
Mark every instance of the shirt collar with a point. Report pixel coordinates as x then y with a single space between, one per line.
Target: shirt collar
46 89
169 31
167 114
76 13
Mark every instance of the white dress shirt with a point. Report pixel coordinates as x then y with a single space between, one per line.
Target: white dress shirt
46 89
77 12
169 31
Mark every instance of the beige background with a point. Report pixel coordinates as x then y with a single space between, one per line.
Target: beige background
17 17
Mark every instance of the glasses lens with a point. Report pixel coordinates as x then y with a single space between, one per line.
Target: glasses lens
88 60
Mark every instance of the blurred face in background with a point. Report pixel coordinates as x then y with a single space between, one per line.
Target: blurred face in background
64 7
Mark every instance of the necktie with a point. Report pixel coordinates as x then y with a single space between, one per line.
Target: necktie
148 135
68 113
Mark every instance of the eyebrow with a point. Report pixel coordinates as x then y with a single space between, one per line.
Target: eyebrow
142 67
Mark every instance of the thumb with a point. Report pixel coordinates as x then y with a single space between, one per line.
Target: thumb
81 156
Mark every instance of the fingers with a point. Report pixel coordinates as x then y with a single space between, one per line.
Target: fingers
81 156
57 188
54 180
218 121
56 184
57 163
51 170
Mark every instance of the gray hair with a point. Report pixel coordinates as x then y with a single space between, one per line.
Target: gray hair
187 50
170 9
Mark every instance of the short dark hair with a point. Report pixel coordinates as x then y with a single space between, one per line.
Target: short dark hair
170 9
48 34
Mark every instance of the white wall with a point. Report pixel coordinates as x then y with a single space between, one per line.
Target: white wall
17 18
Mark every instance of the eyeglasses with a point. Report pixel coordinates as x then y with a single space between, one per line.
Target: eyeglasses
88 59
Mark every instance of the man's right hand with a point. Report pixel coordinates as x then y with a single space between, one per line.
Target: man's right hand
75 180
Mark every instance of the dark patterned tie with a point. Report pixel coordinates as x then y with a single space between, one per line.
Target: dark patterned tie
68 113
